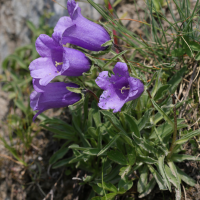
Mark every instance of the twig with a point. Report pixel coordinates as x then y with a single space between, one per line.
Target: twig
188 89
93 94
40 189
53 188
184 192
8 157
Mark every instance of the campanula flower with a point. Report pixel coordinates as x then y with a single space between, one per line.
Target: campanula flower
119 88
80 31
56 60
53 95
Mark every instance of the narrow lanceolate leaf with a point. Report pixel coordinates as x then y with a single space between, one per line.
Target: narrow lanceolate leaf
156 85
132 125
117 157
162 113
148 188
142 183
188 136
109 196
144 119
190 181
182 157
144 144
108 145
58 155
178 193
131 156
174 171
162 171
108 186
114 59
113 119
146 159
158 178
171 177
126 139
92 152
124 171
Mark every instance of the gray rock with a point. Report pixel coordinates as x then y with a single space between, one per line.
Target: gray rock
14 13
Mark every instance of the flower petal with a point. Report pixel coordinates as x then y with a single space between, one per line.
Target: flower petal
43 68
62 24
84 33
110 100
54 95
103 80
136 88
44 44
74 62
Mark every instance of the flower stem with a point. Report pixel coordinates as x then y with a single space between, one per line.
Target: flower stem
93 94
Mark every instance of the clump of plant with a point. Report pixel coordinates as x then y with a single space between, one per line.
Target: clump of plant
129 136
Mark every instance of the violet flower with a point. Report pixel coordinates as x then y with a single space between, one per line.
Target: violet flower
80 31
53 95
56 60
119 88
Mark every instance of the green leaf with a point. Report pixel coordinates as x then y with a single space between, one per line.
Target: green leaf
197 57
194 46
99 137
124 171
61 134
178 52
97 189
126 139
145 118
144 144
79 131
125 184
108 145
146 159
171 177
174 171
92 152
132 124
190 181
162 171
176 79
58 155
142 183
75 90
96 198
109 196
182 157
162 113
131 155
157 84
113 119
108 186
117 157
114 59
148 188
31 27
19 61
108 43
158 178
96 114
188 136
